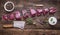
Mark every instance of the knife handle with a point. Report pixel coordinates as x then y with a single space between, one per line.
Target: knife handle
8 26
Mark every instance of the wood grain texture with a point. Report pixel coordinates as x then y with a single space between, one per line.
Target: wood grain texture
31 29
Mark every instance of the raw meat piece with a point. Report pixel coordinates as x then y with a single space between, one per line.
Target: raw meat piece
45 11
5 17
25 13
11 16
33 12
39 11
52 10
17 15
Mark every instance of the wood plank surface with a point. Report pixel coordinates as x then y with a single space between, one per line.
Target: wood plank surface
38 29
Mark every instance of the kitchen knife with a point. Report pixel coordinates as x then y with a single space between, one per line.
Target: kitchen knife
17 24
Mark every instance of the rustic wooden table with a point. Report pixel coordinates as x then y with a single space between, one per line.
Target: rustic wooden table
31 29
